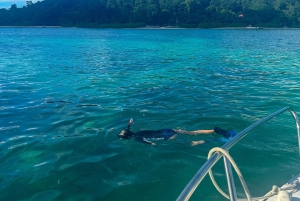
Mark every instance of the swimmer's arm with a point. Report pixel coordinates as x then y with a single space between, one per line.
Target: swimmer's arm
143 140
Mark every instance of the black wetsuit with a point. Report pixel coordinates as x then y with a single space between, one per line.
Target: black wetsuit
147 136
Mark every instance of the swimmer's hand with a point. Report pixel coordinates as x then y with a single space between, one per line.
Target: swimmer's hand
153 144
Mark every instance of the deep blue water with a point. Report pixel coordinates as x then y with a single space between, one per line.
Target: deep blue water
66 93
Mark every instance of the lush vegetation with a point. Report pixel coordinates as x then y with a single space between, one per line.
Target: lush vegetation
138 13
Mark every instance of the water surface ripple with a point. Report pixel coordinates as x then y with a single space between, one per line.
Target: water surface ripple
66 93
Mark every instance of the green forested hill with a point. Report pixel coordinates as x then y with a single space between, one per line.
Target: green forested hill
135 13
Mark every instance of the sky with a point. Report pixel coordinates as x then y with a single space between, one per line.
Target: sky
8 3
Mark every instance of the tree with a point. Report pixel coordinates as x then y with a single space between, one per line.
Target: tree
187 13
29 3
13 7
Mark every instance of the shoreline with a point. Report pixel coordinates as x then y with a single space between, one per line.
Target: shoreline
157 27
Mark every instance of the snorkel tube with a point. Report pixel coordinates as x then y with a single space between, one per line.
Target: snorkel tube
126 133
129 124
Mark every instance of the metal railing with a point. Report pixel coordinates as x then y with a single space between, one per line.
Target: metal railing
195 181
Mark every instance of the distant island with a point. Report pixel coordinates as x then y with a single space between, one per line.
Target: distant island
154 13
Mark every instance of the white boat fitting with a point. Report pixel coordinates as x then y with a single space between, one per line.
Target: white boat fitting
288 192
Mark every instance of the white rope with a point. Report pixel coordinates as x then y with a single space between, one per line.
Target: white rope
271 193
226 154
274 191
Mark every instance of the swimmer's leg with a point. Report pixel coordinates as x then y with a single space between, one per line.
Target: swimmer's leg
196 132
194 143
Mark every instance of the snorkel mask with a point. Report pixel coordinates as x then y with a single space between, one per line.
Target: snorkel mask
126 133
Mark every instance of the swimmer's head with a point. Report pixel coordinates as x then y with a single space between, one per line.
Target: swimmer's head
125 134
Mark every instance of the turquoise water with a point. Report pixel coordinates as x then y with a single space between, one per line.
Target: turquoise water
66 93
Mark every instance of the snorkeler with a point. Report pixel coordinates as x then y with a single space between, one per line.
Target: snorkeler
147 136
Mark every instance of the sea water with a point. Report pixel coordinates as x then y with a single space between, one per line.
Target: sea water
66 93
